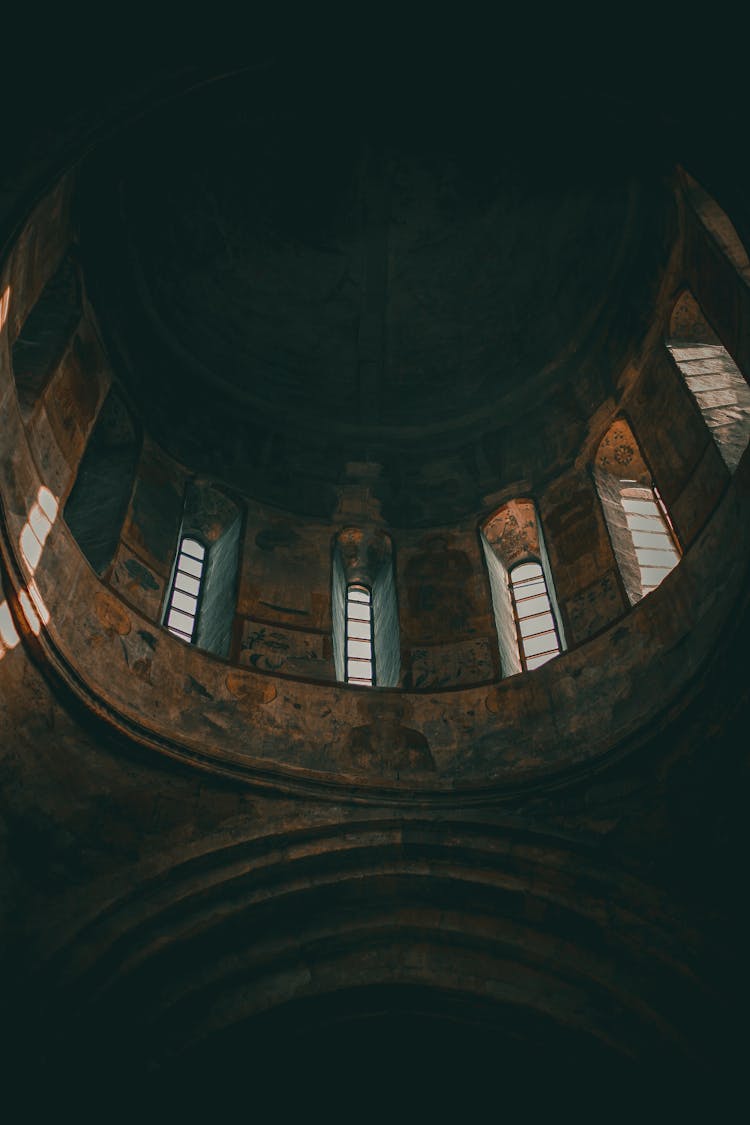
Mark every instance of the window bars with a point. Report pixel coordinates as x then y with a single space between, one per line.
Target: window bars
184 597
538 639
651 531
360 656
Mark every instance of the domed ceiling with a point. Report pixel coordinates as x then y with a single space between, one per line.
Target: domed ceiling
289 284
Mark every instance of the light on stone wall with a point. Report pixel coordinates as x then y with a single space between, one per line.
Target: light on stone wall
29 613
37 527
39 603
4 305
47 503
32 539
31 548
9 637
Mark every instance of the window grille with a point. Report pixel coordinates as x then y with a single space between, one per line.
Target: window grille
538 639
651 531
360 657
185 594
715 382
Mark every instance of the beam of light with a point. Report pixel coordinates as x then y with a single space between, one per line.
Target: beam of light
4 304
37 527
39 603
47 503
31 548
33 536
40 523
30 613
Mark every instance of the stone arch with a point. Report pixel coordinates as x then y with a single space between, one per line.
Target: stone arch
718 224
211 946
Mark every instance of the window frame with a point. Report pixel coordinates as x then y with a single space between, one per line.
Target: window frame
550 611
201 580
361 586
667 528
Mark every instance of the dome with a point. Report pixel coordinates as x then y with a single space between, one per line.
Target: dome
298 284
373 577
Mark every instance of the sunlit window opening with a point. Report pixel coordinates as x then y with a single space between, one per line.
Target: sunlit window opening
643 537
184 597
538 640
712 377
360 661
33 536
651 532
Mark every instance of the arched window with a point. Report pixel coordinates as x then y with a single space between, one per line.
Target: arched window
718 224
651 531
201 601
360 654
528 625
183 604
364 609
538 640
712 377
643 537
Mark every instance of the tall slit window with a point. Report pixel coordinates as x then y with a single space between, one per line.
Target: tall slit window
184 597
360 658
538 639
651 532
643 538
713 379
365 632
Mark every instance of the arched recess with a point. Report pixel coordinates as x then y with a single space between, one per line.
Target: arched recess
712 377
213 520
643 538
45 334
224 937
363 557
513 543
98 501
718 224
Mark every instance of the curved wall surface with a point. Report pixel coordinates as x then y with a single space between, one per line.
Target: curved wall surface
237 874
272 711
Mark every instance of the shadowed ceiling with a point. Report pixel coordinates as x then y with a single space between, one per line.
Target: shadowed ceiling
289 283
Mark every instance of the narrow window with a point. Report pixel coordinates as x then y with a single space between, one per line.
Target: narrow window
185 594
713 379
527 618
538 640
651 531
364 608
359 636
643 538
